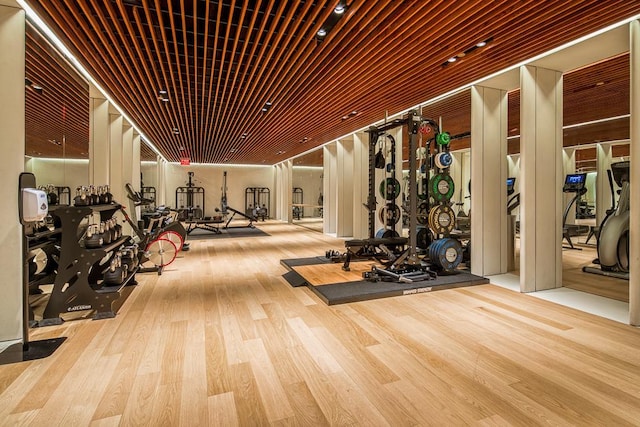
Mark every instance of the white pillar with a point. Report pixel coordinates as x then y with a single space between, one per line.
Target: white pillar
569 167
12 141
634 223
115 158
161 185
128 157
278 186
603 190
542 179
287 190
360 184
488 181
329 189
344 188
99 152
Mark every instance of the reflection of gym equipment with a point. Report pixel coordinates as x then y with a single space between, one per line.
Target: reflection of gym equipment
257 201
57 195
297 199
613 239
190 201
513 200
573 183
149 193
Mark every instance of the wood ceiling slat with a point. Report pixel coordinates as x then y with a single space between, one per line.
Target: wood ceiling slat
383 55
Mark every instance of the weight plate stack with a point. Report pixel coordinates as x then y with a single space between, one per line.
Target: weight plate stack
445 254
442 219
389 214
390 188
441 187
443 138
443 160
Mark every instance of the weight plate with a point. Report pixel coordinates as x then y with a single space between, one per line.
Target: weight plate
384 233
443 160
390 188
446 253
161 252
442 219
441 187
389 214
423 215
423 238
443 138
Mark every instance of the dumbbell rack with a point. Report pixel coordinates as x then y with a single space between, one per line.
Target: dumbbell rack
76 286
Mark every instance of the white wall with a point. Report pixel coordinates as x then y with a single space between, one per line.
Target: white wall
149 172
309 178
70 173
210 178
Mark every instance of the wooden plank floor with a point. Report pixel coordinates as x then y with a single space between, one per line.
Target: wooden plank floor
221 339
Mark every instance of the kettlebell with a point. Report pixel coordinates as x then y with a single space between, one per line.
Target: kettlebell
112 229
101 195
128 259
115 274
105 232
81 197
95 199
108 197
93 240
118 228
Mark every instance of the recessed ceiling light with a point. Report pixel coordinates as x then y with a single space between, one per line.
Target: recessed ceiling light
165 100
268 103
264 109
600 83
339 10
482 44
162 91
452 59
322 32
354 112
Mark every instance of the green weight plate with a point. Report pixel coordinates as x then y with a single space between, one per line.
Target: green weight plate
441 187
389 214
390 188
443 138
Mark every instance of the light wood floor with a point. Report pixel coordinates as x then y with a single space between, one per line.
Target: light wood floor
220 339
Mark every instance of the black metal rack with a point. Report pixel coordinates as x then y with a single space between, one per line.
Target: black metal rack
298 199
78 285
149 193
257 201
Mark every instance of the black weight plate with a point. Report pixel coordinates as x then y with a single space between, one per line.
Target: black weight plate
422 215
423 238
389 214
441 187
446 253
390 188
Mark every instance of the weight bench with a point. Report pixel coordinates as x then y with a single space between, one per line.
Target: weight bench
206 223
384 248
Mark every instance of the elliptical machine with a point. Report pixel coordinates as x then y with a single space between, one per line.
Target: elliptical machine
613 239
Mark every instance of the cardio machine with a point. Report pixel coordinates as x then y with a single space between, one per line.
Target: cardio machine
613 239
574 183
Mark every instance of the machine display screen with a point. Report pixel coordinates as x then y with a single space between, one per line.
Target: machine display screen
574 182
510 182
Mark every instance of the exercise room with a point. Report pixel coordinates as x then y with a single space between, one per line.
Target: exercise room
320 213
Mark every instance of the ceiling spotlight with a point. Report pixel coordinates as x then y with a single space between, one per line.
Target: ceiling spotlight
165 99
452 59
322 32
268 103
481 44
162 92
264 109
339 10
354 112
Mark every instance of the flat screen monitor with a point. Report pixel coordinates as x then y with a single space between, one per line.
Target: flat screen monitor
574 182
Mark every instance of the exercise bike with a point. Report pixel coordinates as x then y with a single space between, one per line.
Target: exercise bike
162 238
613 238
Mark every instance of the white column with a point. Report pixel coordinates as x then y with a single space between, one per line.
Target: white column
99 151
329 189
488 181
344 163
12 140
569 167
115 158
128 157
135 162
287 190
278 187
360 184
161 185
542 179
603 190
634 224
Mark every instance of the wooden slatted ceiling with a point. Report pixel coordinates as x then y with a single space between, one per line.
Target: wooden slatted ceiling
220 61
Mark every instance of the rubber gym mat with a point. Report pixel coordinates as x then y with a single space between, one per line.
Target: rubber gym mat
340 293
227 233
